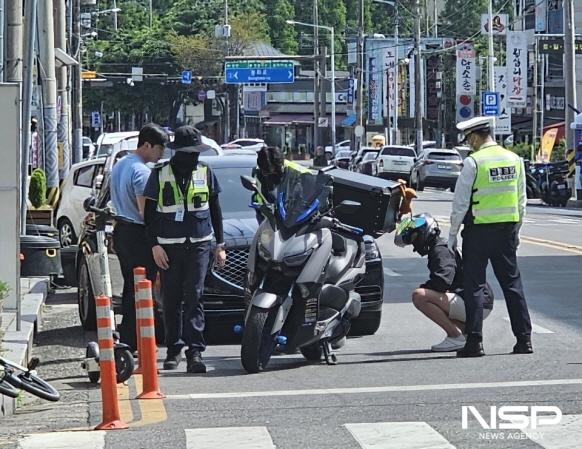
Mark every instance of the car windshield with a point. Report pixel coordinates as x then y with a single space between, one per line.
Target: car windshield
234 200
370 156
442 156
300 195
343 154
398 151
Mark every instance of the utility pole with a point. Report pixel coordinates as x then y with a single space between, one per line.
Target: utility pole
491 55
60 16
360 74
316 78
77 97
417 77
115 16
535 98
47 59
570 81
13 67
1 41
322 89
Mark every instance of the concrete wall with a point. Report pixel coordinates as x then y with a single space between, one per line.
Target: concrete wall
9 191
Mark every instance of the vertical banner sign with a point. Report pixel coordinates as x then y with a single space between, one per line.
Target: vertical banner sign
351 93
375 74
541 15
517 68
466 81
389 83
503 122
412 86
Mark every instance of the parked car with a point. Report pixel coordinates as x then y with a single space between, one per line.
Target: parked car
77 186
340 146
249 144
436 167
342 159
357 157
88 148
395 161
224 294
369 163
106 141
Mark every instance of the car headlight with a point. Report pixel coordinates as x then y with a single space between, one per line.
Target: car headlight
297 259
372 250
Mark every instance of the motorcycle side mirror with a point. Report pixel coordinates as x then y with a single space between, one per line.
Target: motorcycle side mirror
88 203
348 207
249 183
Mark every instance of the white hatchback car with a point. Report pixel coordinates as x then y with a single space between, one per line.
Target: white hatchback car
249 144
395 161
76 188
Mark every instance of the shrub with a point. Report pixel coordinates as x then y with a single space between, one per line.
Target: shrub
521 149
37 189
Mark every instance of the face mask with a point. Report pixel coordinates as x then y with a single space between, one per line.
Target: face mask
185 161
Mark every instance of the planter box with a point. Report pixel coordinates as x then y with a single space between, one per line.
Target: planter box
41 216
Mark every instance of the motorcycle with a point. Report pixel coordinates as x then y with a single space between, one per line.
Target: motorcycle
303 267
552 183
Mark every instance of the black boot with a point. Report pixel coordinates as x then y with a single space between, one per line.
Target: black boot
523 346
172 360
473 348
195 365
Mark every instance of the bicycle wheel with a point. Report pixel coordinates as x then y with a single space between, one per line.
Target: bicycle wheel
8 390
33 385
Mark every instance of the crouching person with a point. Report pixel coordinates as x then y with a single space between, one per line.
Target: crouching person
440 297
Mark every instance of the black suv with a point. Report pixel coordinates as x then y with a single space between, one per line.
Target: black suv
224 288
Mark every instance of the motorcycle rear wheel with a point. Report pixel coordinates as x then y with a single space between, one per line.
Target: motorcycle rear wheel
258 344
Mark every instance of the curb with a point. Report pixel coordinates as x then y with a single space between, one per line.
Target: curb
17 345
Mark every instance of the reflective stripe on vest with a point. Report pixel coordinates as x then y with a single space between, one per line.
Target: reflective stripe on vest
495 193
197 188
256 198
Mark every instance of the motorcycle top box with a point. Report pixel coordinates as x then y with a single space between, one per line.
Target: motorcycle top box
380 200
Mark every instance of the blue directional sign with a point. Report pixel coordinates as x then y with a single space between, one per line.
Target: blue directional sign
490 103
187 77
273 72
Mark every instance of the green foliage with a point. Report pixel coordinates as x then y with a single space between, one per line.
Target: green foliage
283 36
37 189
4 290
521 149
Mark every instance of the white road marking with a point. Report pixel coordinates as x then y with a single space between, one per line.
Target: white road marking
398 435
566 435
64 440
389 272
229 438
366 390
536 329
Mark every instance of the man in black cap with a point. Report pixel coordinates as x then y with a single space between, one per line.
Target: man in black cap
490 200
182 210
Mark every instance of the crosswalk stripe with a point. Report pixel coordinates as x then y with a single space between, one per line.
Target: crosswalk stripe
566 435
535 328
397 435
229 438
64 440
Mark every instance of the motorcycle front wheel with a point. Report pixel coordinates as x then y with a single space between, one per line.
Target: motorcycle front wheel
257 342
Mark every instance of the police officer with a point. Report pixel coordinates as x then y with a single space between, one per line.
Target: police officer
490 200
181 212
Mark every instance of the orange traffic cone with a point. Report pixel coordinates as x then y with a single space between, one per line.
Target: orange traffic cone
146 323
111 416
139 274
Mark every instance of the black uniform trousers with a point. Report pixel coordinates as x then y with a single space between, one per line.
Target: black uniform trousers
496 243
182 287
132 249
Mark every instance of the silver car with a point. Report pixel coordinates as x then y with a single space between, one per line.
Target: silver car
436 167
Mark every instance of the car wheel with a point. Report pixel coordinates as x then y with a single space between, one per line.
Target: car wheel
67 235
86 298
366 324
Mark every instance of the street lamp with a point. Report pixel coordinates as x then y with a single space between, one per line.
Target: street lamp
396 94
332 31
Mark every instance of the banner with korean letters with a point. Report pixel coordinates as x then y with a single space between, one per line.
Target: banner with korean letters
389 83
503 121
466 81
517 68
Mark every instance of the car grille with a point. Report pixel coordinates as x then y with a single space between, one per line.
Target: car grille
235 270
369 292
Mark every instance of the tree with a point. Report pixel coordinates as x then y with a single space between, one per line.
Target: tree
283 36
333 13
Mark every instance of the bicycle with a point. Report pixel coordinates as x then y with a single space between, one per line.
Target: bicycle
14 377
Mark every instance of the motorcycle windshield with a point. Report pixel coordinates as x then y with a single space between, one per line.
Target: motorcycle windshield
301 195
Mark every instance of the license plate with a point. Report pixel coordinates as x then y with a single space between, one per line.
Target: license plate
399 162
443 167
562 186
108 229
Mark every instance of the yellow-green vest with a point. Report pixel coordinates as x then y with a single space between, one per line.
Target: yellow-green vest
286 165
495 196
197 196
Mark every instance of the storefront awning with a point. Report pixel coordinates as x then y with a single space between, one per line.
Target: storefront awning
349 120
289 120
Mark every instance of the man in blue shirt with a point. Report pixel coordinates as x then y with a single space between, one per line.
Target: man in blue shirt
128 180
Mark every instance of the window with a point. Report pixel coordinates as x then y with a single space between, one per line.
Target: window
370 156
398 151
84 176
436 156
234 200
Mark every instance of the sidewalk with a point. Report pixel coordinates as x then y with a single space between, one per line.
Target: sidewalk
60 344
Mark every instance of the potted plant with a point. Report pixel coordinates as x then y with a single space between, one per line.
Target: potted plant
37 189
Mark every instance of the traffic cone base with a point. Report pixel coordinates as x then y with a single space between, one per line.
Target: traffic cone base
112 425
152 395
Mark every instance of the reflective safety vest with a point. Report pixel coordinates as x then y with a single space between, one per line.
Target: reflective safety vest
495 189
180 218
287 165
